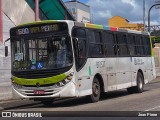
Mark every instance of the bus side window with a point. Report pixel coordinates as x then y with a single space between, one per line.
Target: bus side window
95 44
80 47
139 45
122 44
147 46
109 42
132 45
81 35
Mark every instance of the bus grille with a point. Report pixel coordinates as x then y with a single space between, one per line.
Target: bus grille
28 92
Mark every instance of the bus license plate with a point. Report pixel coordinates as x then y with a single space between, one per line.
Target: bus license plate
39 92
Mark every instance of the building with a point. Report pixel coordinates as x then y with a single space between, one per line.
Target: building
80 11
120 22
15 12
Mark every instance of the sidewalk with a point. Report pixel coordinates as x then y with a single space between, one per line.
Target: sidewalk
156 80
5 92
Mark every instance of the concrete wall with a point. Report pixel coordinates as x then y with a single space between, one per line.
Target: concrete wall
83 16
18 11
82 11
15 12
157 60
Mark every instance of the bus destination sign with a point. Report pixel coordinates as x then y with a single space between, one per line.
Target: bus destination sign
59 27
37 29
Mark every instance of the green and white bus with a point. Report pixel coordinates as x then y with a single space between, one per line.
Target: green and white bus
61 59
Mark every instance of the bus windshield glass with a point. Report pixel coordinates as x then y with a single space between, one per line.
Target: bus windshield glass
44 53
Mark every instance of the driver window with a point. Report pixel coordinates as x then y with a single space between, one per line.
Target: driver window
81 35
80 47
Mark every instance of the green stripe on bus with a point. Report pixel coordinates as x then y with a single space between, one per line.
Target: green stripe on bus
41 81
152 52
89 70
94 26
37 23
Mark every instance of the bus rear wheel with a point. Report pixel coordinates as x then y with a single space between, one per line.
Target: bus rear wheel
94 97
140 85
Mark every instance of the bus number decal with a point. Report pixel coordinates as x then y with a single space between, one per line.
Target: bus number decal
138 62
100 64
23 31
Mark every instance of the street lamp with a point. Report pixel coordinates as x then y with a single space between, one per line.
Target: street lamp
149 16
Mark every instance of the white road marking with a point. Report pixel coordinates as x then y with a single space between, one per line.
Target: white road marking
152 108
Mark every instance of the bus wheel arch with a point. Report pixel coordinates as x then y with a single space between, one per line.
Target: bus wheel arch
139 83
100 79
140 71
97 88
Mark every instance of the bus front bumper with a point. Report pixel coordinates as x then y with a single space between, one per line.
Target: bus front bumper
68 90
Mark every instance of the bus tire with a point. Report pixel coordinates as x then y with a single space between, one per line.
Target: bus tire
140 83
47 102
96 91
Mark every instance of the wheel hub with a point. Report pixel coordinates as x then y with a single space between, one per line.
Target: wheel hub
95 89
140 83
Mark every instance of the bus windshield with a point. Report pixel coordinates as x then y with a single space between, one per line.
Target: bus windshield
45 53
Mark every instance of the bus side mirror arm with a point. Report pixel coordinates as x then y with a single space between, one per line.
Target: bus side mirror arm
6 47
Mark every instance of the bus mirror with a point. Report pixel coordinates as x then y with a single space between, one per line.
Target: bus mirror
6 51
6 47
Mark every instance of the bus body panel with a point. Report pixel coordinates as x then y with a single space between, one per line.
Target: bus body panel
111 68
116 72
85 79
67 91
99 67
123 78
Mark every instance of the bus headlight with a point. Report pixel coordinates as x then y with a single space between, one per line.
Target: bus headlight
17 85
65 81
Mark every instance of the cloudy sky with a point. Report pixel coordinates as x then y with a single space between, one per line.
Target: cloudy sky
132 10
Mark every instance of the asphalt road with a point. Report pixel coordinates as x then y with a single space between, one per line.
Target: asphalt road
120 101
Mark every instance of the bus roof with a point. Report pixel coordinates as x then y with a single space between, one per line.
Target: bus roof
88 25
96 26
41 22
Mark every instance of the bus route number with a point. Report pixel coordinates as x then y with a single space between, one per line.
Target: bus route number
100 64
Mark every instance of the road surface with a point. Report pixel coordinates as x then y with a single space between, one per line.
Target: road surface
117 101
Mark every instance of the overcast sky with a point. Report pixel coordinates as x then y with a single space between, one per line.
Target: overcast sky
132 10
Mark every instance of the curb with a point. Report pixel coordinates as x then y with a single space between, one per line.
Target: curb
7 100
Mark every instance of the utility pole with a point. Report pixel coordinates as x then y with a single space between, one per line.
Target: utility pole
36 10
144 15
1 23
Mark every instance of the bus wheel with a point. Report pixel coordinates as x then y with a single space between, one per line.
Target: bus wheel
47 102
94 97
140 83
